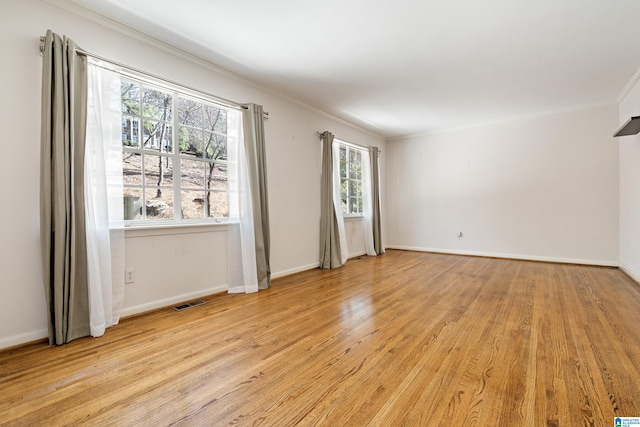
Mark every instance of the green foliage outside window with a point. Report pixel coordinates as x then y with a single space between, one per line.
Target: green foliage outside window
350 180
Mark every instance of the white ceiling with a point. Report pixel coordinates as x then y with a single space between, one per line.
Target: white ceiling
408 66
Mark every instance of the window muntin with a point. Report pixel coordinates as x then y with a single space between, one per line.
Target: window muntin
350 180
166 181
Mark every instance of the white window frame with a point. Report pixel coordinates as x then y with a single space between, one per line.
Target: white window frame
350 148
175 156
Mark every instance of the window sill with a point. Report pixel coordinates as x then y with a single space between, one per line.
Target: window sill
356 217
167 229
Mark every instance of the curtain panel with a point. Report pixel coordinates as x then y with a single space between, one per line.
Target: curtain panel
249 239
337 203
62 222
367 204
104 210
254 145
242 273
330 248
376 222
81 211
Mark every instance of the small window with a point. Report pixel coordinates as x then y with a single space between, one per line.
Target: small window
350 179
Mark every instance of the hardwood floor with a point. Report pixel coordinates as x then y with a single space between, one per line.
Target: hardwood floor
402 339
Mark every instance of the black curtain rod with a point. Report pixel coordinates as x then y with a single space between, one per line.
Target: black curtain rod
362 147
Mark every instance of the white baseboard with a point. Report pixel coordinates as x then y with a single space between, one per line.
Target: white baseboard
23 338
509 256
295 270
630 272
128 311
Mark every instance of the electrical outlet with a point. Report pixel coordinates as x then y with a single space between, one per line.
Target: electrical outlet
129 275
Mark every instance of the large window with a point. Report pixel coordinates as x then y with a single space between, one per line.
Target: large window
350 179
174 158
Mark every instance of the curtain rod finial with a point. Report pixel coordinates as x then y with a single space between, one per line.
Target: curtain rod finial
43 40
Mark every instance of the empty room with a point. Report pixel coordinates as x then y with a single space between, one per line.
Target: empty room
342 213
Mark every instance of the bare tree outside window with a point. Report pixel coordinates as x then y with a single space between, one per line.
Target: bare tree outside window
202 135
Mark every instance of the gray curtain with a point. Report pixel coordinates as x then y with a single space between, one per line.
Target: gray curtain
64 254
330 253
375 200
253 127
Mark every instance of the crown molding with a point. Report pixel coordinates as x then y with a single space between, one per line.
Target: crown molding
505 120
628 86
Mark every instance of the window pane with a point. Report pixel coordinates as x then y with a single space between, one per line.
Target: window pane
131 168
132 200
355 205
130 95
192 173
155 132
130 131
355 171
216 177
158 170
159 203
192 204
355 188
156 104
204 204
190 112
191 141
352 156
219 207
215 146
343 162
343 194
215 119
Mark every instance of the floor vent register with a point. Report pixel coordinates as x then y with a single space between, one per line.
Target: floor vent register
187 305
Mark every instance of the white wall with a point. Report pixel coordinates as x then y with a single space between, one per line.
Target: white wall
630 188
185 264
541 188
